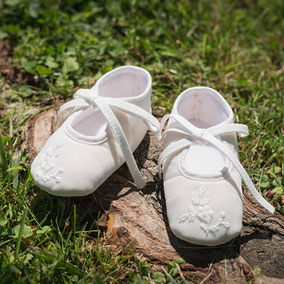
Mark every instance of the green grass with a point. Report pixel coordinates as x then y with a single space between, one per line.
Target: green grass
235 47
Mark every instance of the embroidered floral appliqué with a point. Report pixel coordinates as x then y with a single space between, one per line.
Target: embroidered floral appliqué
200 209
46 168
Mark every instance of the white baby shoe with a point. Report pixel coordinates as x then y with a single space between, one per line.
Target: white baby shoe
107 124
201 170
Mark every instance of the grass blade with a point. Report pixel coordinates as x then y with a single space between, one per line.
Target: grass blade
60 263
169 277
4 164
20 233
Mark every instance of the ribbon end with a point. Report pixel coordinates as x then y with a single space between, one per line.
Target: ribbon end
140 184
271 209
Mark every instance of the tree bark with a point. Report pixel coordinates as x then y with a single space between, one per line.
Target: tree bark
137 219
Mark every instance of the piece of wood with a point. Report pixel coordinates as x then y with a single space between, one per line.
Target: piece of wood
137 219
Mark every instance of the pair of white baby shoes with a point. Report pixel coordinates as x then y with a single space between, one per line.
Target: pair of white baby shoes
201 170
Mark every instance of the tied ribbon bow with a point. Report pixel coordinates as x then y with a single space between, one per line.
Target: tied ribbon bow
85 98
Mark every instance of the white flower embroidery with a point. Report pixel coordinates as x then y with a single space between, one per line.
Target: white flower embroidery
202 211
46 165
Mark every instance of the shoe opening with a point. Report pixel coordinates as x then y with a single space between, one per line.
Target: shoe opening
124 82
203 107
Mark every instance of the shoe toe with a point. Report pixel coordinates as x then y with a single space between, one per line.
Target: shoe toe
201 233
207 215
55 169
65 167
